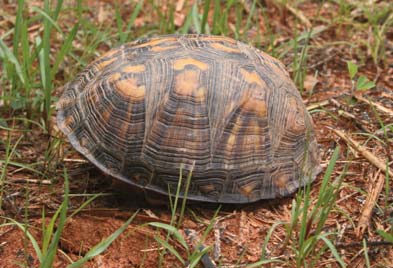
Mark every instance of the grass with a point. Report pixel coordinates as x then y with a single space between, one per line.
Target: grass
48 44
46 251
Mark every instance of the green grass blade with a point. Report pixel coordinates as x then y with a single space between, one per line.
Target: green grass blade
103 245
183 205
88 201
195 259
48 18
187 23
205 15
365 250
209 227
173 206
119 23
33 241
216 16
24 166
267 238
8 55
57 9
171 230
250 16
195 18
65 48
171 249
27 59
263 262
9 152
328 174
45 64
52 249
15 43
48 231
332 249
133 17
387 236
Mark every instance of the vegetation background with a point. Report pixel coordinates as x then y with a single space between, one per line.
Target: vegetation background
57 210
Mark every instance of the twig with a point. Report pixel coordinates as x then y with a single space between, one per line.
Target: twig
347 114
313 106
75 160
360 244
363 151
150 214
375 104
374 191
217 242
23 180
242 228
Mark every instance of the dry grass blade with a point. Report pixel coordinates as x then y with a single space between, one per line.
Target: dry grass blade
26 180
375 190
313 106
363 151
348 115
299 15
375 104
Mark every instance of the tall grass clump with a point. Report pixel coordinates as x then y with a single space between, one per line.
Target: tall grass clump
28 67
305 235
305 231
194 254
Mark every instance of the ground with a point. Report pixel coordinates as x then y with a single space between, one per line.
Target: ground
36 155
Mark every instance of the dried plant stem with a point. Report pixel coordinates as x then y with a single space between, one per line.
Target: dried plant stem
299 15
375 104
363 151
374 191
313 106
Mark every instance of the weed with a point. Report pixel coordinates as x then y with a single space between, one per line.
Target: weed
362 82
194 254
305 230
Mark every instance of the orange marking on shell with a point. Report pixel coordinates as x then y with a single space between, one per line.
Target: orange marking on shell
156 42
282 181
222 47
134 69
110 53
114 77
219 38
252 77
231 141
200 93
160 48
69 120
105 63
124 127
256 106
248 188
180 64
207 188
187 82
129 87
106 114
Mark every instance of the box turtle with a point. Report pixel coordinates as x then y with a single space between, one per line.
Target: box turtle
217 107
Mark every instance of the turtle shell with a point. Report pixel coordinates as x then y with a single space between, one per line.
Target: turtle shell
218 108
